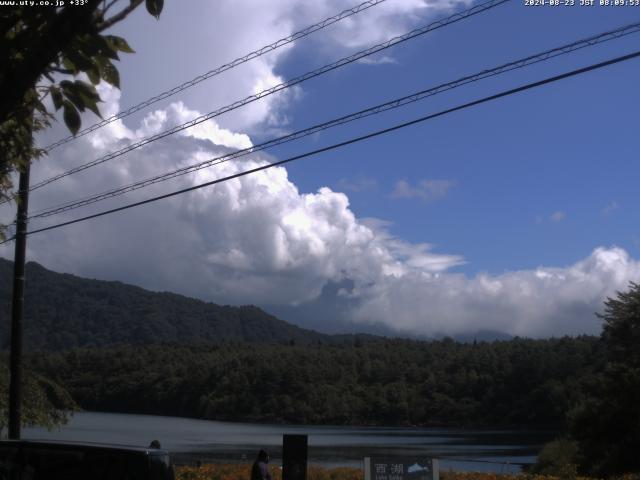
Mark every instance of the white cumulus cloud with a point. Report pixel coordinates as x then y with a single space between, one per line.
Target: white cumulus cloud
257 238
541 302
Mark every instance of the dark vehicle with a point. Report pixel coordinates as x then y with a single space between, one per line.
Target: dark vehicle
33 460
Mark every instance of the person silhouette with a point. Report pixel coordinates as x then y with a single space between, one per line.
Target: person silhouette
259 469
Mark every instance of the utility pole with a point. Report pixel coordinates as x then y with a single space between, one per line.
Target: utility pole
17 306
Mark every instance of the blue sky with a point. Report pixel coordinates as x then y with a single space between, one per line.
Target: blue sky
517 216
570 147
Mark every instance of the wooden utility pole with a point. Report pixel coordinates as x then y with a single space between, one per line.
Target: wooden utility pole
17 306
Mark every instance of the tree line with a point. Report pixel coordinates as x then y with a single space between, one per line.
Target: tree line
373 382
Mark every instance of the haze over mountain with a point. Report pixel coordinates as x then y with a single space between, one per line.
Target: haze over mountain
65 311
328 312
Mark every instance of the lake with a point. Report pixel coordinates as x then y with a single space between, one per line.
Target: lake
192 440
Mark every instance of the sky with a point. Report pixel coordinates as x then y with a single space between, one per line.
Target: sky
516 216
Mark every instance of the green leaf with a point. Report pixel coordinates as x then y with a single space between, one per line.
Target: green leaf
64 84
101 62
56 96
75 98
94 75
93 45
154 7
119 43
70 91
92 105
88 95
105 47
110 74
81 101
80 61
69 65
71 117
88 90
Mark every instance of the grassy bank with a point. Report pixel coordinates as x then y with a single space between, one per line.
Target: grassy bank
243 472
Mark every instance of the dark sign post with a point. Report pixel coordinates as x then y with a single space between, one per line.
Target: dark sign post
376 468
294 457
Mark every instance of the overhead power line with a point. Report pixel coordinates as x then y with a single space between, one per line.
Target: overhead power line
222 68
377 133
282 86
396 103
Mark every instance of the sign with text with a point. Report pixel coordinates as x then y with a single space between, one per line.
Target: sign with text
400 468
294 457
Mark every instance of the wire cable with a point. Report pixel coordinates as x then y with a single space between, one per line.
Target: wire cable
222 68
334 146
282 86
396 103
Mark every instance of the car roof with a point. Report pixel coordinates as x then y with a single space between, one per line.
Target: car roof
69 444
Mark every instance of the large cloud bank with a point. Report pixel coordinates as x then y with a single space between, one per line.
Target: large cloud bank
258 239
541 302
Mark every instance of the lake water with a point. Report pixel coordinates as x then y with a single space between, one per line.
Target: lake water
193 440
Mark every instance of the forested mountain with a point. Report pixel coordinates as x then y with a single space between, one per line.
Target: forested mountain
379 381
65 311
108 346
162 353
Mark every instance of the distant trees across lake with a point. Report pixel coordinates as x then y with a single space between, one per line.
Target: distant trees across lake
375 381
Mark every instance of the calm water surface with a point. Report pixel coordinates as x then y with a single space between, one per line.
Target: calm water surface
192 440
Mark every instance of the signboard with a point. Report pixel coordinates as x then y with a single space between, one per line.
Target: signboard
401 468
294 457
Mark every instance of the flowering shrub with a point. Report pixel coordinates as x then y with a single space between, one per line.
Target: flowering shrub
220 472
243 472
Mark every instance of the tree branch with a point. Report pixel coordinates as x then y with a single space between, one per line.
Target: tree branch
64 71
118 16
107 6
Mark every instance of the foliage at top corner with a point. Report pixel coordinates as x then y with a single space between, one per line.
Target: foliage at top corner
47 52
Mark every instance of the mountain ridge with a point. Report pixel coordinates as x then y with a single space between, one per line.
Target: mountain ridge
64 311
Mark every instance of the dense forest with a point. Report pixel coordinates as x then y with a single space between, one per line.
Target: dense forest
386 382
63 311
162 353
